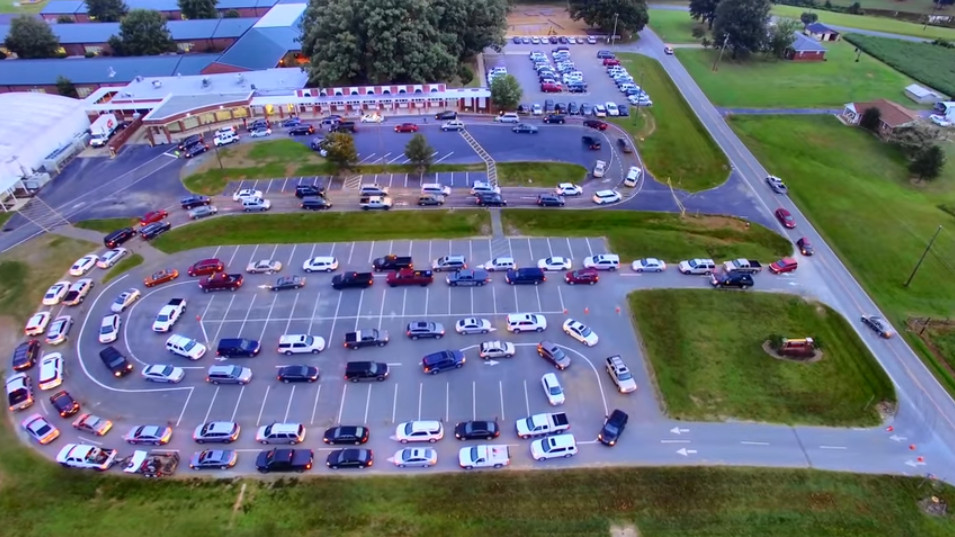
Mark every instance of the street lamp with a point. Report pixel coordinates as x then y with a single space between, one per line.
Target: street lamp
613 36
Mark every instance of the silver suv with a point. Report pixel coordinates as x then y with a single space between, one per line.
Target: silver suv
229 374
449 262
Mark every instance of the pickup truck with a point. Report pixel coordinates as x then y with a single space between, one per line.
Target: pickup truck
484 456
221 282
375 202
366 338
392 262
743 266
600 168
353 279
410 277
468 277
284 460
541 424
169 314
152 463
86 457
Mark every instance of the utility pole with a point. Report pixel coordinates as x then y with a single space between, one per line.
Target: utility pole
726 39
613 36
925 253
215 147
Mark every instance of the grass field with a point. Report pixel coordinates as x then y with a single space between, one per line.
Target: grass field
929 64
123 266
633 235
539 173
697 164
794 84
261 160
871 214
673 26
107 225
12 6
325 227
862 22
5 217
719 371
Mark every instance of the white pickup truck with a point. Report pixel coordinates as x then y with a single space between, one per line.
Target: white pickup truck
169 314
541 424
600 168
86 457
484 456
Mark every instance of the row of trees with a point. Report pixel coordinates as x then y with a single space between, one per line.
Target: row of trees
115 10
742 26
341 153
627 17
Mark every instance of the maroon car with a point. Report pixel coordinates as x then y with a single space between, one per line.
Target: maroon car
206 267
785 218
588 276
406 127
786 264
595 124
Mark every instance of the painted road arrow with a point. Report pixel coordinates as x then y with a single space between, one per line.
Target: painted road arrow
491 362
686 452
913 464
897 438
677 430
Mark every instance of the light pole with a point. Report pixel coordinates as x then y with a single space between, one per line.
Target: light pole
921 259
613 36
215 148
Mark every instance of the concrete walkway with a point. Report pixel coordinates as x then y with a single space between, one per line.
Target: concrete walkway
135 246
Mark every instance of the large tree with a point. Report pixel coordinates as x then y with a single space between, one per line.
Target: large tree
506 92
928 164
741 24
469 26
66 88
30 37
704 11
781 37
340 150
630 15
198 9
106 10
142 32
419 152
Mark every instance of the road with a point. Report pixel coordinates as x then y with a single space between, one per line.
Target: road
926 414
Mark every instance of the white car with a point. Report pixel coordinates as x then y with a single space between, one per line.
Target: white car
19 391
163 373
499 263
603 197
260 132
648 264
419 431
472 325
415 458
620 374
552 389
612 109
320 264
51 371
225 138
609 262
109 328
496 349
37 324
78 292
246 194
55 293
554 263
186 347
537 110
290 344
125 300
941 121
372 118
86 457
568 189
526 322
83 265
59 330
552 447
264 266
484 188
580 332
111 257
600 111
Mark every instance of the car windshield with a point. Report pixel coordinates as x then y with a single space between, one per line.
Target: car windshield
554 390
611 428
585 331
106 329
189 345
624 374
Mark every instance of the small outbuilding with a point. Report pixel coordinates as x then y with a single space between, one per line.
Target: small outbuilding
923 95
805 49
821 32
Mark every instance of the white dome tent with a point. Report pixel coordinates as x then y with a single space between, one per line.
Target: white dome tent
34 127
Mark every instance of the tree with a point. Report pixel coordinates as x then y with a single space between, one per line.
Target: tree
781 37
65 19
469 26
928 164
65 87
142 32
506 92
31 38
106 10
231 14
808 17
704 11
871 119
419 152
198 9
340 150
744 23
629 16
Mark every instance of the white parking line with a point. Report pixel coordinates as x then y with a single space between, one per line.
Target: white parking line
473 400
420 390
471 252
530 250
560 295
310 254
371 252
274 250
288 406
750 443
591 250
833 447
315 404
427 295
291 256
90 441
216 253
399 157
449 303
472 301
334 319
350 252
341 405
500 388
289 323
184 405
268 316
361 297
231 259
268 186
540 307
494 299
406 180
258 420
570 249
394 404
550 248
527 401
367 404
251 257
203 315
517 306
404 301
211 404
311 319
429 252
237 401
444 157
381 311
222 322
284 184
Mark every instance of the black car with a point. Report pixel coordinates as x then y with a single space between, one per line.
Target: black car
516 40
477 430
64 404
524 128
315 203
24 356
258 124
301 130
490 199
590 143
437 362
302 191
368 371
733 279
603 54
523 109
805 247
191 202
115 361
288 282
878 325
586 109
238 347
345 126
195 149
189 140
624 145
577 87
550 200
447 115
424 329
614 425
350 458
346 434
318 144
118 237
548 105
431 199
291 122
555 118
297 373
284 460
151 231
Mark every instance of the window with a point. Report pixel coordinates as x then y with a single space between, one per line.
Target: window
37 90
240 112
84 91
370 91
185 47
386 91
354 92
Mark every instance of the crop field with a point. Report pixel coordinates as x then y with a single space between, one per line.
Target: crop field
930 64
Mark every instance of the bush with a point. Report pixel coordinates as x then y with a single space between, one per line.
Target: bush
775 341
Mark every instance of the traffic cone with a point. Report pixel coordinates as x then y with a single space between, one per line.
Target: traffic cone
911 447
565 311
890 428
586 311
618 310
920 459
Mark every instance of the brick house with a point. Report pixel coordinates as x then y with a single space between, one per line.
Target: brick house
805 49
892 115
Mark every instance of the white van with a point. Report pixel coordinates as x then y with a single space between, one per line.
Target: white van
633 176
552 447
226 138
435 188
499 264
526 322
510 117
373 190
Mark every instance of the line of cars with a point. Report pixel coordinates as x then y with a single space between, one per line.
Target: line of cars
625 82
554 40
561 75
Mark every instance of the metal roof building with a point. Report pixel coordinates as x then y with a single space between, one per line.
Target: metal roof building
186 30
106 70
266 44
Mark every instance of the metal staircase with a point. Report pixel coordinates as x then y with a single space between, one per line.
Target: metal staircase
488 161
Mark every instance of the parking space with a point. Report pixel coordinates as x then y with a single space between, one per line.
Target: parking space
413 181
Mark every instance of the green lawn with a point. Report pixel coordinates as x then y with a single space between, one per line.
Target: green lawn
261 160
930 64
5 217
123 266
705 347
107 225
533 174
673 26
770 83
671 141
857 193
862 22
633 234
19 7
325 227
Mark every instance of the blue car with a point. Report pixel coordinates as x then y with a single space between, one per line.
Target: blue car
292 122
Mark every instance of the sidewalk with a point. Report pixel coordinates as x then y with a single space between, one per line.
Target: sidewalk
135 246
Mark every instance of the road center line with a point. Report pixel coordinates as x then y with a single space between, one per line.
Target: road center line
674 441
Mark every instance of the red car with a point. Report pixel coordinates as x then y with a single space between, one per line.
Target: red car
153 216
611 61
786 264
785 218
551 88
589 276
595 124
406 127
206 267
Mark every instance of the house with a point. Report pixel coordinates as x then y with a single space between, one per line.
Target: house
805 49
821 32
892 115
923 95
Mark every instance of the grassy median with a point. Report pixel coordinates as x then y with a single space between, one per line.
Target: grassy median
705 347
536 174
